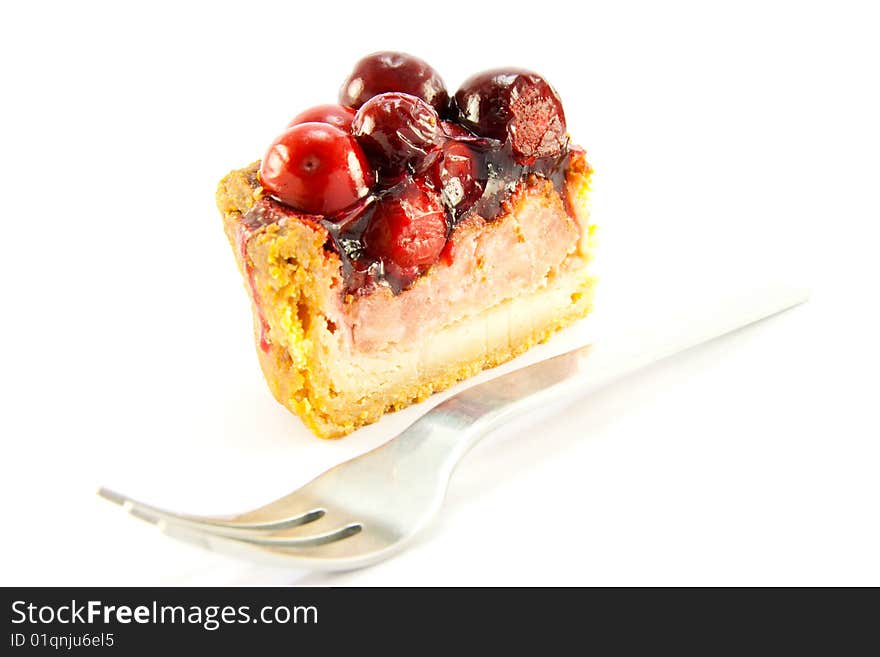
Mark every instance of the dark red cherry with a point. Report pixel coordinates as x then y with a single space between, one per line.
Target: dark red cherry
397 131
453 129
458 178
316 168
408 229
393 71
515 105
336 115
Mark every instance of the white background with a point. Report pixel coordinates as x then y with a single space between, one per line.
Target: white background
732 141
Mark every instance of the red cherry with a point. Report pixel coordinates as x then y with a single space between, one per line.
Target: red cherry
458 178
336 115
397 131
316 168
461 181
393 71
408 229
515 105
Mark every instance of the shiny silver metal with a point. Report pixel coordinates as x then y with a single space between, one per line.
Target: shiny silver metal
366 509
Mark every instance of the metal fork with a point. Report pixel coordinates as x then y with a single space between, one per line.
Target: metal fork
366 509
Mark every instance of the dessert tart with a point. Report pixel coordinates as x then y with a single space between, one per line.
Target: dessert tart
405 239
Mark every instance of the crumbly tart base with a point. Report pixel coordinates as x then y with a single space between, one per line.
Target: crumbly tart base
309 357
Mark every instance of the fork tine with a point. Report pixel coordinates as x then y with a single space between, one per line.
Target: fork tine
305 554
229 526
311 542
174 527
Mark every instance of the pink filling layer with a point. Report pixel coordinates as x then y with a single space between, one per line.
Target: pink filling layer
489 266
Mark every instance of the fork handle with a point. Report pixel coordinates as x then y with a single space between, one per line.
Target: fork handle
459 422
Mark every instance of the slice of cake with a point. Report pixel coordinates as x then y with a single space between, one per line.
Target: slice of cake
403 240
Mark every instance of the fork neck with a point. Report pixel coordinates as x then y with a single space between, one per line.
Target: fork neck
456 425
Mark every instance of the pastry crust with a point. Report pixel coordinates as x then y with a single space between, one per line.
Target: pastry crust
322 368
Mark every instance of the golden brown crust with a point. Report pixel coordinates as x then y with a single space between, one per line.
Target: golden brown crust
308 359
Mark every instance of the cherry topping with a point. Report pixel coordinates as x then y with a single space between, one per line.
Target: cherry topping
393 71
336 115
429 161
457 176
517 105
408 230
397 131
316 168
